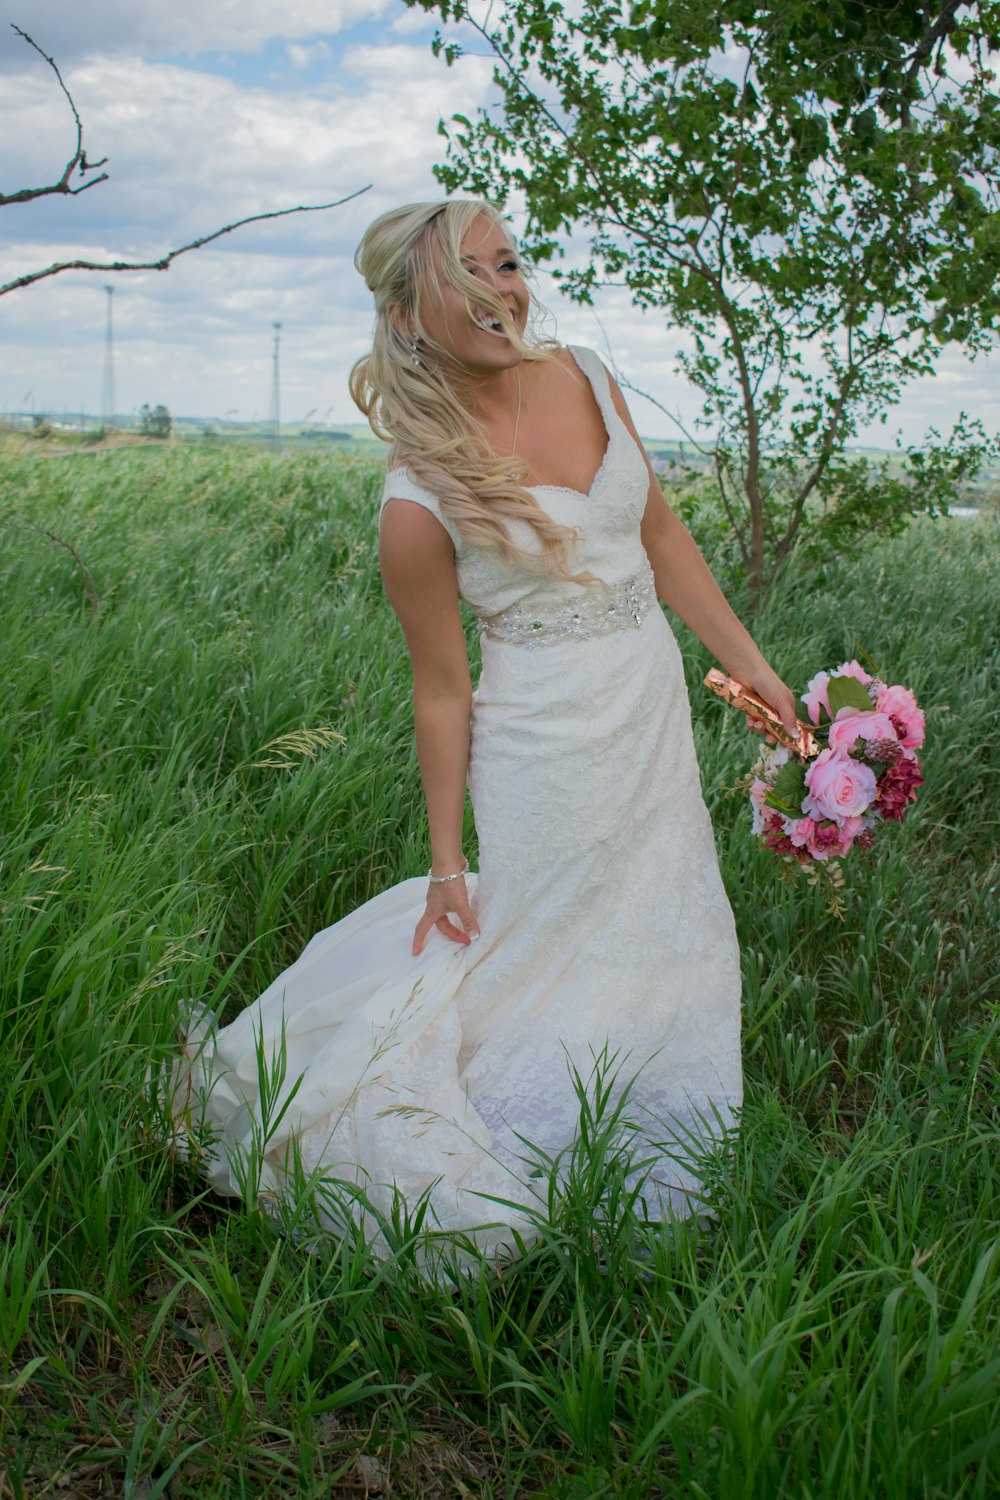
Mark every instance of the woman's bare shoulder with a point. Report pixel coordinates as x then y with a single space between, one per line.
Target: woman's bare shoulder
555 369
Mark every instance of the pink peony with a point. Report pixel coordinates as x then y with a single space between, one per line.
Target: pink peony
852 668
839 787
775 836
898 788
901 706
815 695
826 840
853 724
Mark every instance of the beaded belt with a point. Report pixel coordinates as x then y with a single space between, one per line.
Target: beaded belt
597 611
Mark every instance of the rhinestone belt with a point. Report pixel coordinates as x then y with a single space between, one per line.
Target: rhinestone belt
598 611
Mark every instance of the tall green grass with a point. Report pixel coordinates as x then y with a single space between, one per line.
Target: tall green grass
217 762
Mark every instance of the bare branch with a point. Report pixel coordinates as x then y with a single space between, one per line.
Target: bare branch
90 588
77 160
165 260
646 396
623 380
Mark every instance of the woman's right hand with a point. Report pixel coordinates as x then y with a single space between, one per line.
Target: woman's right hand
451 898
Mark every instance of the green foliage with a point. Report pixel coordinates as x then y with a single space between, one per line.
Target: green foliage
179 815
789 788
155 422
846 692
809 192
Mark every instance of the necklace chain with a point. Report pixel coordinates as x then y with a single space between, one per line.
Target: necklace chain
517 415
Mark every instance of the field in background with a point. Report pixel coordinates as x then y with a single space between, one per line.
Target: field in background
22 436
47 436
172 619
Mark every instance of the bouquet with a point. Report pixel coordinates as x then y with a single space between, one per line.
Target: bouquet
853 766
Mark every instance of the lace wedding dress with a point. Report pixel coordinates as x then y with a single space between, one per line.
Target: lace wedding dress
604 921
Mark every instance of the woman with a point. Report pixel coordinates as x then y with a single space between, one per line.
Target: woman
426 1045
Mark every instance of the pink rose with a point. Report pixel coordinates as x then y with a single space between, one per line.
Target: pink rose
839 787
853 724
901 706
826 840
815 695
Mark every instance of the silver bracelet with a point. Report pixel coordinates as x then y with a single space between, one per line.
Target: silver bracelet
443 879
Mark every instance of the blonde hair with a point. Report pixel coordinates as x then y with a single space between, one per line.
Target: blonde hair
417 409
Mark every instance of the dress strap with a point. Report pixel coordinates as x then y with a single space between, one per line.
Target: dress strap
594 368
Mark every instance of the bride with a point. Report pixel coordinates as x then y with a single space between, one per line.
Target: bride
430 1047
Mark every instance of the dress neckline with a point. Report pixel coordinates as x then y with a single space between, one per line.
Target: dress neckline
567 489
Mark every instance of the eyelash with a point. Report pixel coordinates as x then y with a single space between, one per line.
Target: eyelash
504 265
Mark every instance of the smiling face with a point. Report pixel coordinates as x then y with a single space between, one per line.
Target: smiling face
452 319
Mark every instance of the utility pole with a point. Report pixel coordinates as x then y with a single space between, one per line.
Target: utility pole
108 393
275 413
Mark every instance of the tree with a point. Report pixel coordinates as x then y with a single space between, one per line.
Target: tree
809 191
76 177
155 422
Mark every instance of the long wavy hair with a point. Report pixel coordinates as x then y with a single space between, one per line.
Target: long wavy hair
418 408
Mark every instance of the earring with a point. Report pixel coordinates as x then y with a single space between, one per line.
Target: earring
415 351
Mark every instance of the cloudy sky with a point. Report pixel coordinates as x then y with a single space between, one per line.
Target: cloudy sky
210 110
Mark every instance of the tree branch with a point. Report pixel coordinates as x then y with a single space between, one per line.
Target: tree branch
735 526
831 433
690 257
79 157
164 261
90 588
937 32
518 80
623 380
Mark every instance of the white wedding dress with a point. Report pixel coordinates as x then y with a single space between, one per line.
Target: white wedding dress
604 921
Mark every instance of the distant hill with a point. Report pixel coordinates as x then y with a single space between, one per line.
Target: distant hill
75 428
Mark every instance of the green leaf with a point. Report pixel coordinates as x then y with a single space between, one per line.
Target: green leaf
790 809
846 692
789 787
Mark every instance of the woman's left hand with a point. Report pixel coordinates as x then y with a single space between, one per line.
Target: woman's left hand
768 685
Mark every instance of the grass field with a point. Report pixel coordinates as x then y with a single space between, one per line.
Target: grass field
167 831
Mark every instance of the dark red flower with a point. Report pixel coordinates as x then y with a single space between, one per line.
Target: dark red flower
897 789
775 838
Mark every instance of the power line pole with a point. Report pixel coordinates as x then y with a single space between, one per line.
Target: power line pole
275 412
108 393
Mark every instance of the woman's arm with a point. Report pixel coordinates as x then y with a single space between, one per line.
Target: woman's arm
685 584
418 570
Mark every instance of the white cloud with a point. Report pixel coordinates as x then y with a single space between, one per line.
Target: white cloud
304 55
410 22
190 150
70 30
